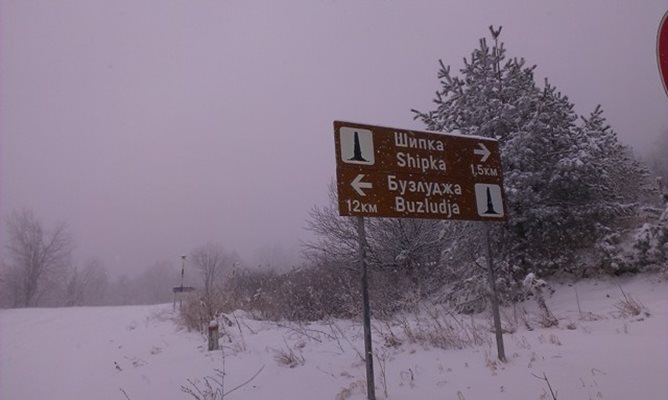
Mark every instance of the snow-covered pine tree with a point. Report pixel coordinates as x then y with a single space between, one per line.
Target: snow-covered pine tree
566 184
608 160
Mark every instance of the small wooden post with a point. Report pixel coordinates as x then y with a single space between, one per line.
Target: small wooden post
213 335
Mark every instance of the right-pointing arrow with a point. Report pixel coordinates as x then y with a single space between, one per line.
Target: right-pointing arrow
482 151
358 185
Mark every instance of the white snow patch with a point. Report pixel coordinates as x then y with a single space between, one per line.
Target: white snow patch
94 353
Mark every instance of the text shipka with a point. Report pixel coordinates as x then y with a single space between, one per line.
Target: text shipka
426 163
422 163
401 139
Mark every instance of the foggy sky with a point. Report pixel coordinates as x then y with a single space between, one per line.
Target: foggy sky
152 127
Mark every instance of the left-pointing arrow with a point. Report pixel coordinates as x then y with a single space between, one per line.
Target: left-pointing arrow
358 185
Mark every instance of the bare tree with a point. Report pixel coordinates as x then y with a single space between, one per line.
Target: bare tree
155 283
122 291
210 260
657 155
10 284
96 283
35 257
335 241
410 245
74 290
87 286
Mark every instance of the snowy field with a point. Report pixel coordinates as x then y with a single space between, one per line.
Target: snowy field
140 353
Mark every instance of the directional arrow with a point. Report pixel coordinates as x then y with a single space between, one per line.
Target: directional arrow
358 185
482 151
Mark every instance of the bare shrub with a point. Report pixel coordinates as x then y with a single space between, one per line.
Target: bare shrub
381 358
547 320
288 356
491 362
308 293
509 324
547 381
630 307
390 339
213 387
340 333
347 392
536 287
192 314
303 294
438 327
554 339
210 389
590 316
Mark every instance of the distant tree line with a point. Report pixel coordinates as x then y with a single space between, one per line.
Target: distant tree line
37 269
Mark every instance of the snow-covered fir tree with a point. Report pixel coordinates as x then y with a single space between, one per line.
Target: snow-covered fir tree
568 182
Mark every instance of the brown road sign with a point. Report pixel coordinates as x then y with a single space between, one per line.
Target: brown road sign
389 172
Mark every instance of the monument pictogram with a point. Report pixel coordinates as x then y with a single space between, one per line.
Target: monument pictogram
488 200
357 146
357 149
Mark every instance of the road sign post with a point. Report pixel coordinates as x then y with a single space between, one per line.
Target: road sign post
366 311
494 299
399 173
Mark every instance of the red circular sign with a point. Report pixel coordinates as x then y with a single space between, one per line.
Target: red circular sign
662 50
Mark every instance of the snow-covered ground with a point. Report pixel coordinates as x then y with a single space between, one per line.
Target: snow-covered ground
141 353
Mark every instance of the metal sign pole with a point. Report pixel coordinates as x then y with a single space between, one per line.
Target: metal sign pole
183 267
494 299
368 353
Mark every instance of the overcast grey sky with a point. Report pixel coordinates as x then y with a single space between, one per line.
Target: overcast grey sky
151 127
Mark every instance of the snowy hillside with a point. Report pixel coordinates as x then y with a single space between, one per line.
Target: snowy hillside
596 352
